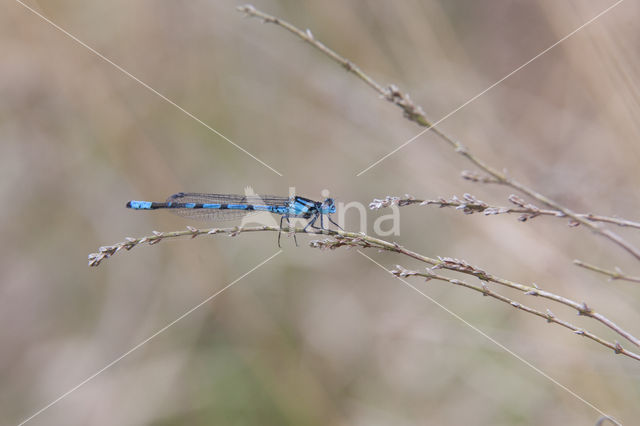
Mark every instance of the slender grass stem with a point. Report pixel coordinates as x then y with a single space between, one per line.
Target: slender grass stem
415 113
360 240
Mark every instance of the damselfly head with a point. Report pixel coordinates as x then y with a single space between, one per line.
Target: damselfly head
328 206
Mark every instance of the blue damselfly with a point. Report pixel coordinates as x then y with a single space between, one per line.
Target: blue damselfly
220 207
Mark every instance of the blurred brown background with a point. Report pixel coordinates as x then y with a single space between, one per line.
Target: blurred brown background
311 337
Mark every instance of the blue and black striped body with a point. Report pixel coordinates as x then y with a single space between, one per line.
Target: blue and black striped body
229 206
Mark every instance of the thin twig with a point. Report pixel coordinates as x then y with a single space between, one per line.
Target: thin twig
309 38
105 252
366 241
613 275
352 239
469 204
415 113
548 316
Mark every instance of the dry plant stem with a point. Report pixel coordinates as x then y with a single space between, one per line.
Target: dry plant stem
105 252
308 37
366 241
549 316
613 275
352 239
612 220
469 204
415 113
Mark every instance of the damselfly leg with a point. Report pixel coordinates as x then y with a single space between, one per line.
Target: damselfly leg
288 226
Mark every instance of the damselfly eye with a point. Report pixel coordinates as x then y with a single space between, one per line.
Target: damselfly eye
328 206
